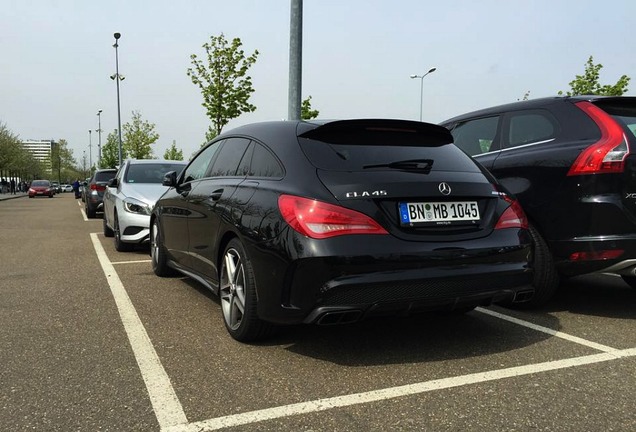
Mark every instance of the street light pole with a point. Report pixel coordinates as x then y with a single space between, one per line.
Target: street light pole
90 150
118 78
99 142
421 77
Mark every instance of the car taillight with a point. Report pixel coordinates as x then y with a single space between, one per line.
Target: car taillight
97 187
596 255
608 154
319 220
513 216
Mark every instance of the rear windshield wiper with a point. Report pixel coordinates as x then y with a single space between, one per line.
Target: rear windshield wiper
424 165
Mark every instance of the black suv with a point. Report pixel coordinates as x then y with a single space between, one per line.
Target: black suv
94 191
569 162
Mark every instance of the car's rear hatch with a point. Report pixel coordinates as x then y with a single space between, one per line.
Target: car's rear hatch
623 111
408 176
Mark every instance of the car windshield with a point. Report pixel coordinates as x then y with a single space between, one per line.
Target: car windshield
40 183
150 172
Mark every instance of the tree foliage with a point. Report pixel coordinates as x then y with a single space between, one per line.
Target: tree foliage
173 153
588 83
223 80
306 113
138 137
15 160
62 161
110 151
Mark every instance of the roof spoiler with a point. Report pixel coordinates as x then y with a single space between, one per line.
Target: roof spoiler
380 132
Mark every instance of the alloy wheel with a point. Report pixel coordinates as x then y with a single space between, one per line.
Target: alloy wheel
232 290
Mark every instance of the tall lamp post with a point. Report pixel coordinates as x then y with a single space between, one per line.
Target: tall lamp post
421 77
99 137
118 78
90 150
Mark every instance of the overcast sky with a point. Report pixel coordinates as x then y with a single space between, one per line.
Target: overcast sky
56 58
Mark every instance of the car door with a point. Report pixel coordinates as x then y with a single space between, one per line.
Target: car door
173 208
530 158
110 197
210 202
479 138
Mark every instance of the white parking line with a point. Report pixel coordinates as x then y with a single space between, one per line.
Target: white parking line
164 400
131 262
391 393
170 414
84 215
549 331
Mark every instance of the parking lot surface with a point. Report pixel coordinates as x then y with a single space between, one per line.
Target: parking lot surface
91 339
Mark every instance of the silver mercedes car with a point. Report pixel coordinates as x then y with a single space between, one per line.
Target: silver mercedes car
130 198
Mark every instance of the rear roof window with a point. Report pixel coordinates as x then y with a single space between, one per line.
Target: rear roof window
354 145
104 176
624 113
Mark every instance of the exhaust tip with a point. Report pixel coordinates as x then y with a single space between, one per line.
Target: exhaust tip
523 296
339 317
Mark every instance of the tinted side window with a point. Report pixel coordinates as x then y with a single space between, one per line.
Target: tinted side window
264 164
476 136
530 127
199 166
227 162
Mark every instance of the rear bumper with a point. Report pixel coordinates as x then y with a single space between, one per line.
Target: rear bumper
622 264
387 276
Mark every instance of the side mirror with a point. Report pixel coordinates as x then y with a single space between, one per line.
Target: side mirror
85 183
112 182
170 179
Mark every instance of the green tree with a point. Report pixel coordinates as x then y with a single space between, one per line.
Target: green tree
110 151
139 135
15 160
62 161
588 83
306 113
223 80
173 153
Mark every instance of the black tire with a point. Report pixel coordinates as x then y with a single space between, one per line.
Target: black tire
90 212
237 292
158 252
120 246
107 231
546 278
630 280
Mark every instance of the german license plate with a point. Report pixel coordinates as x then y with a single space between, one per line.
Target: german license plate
438 212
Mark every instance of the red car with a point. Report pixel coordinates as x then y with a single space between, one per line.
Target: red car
41 188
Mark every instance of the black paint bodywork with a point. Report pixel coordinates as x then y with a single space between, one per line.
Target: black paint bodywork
301 279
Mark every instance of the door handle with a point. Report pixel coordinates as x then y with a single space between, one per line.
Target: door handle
216 195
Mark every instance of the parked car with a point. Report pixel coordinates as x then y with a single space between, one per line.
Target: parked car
41 188
56 187
82 189
568 160
67 188
94 191
130 198
310 222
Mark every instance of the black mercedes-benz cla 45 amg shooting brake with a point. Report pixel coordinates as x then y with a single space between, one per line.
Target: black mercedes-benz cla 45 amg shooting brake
570 162
329 222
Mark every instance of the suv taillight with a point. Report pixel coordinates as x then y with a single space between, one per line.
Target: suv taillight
318 220
608 154
513 216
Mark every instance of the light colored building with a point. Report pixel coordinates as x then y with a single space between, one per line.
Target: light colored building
41 150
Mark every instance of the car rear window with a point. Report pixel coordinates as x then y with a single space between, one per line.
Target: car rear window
150 173
624 112
104 176
362 146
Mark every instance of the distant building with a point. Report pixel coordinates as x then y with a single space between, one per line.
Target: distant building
41 151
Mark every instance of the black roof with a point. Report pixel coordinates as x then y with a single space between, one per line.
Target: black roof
532 103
